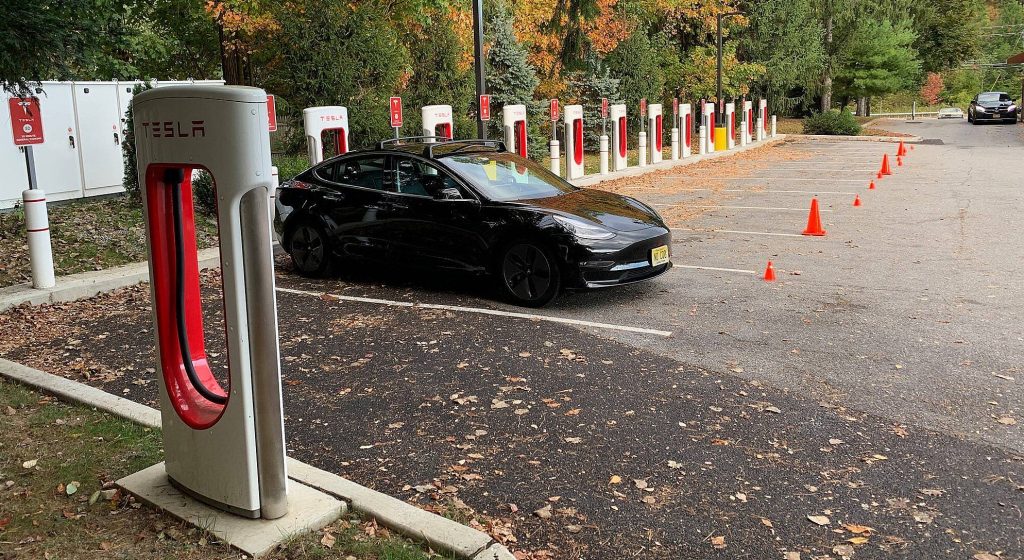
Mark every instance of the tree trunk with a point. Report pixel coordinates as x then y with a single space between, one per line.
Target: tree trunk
826 79
862 106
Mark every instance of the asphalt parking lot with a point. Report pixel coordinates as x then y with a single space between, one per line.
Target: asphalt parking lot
876 384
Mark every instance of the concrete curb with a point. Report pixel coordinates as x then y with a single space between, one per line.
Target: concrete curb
438 532
829 138
87 284
637 171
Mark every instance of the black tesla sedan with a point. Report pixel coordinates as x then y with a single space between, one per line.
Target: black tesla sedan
472 206
992 106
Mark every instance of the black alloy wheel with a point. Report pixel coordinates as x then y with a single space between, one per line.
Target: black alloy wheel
529 274
309 249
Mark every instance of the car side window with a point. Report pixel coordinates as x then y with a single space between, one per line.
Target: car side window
416 177
325 172
366 172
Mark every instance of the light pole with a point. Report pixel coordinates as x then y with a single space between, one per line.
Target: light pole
478 55
720 117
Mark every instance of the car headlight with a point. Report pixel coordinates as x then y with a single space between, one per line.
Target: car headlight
1011 108
583 230
980 109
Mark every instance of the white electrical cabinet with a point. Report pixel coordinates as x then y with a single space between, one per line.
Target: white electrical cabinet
83 127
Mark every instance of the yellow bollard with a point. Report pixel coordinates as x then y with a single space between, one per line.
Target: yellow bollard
721 139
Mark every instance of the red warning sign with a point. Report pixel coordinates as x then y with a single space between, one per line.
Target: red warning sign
26 120
554 110
396 112
485 107
604 107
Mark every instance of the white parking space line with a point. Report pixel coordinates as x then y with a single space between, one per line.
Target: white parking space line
478 311
829 180
738 232
754 191
714 268
825 170
783 209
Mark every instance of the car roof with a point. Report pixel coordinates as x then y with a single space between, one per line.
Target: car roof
419 146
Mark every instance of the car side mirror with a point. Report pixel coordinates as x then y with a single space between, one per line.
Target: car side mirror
449 193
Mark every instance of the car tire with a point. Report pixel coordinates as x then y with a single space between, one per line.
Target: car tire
309 248
528 273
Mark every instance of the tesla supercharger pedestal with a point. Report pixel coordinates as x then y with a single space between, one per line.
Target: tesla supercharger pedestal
747 132
437 121
686 126
317 121
514 120
708 125
730 123
619 136
656 132
573 116
674 133
223 443
762 115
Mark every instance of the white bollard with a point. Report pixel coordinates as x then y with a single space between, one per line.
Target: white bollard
40 253
703 140
760 129
743 133
556 165
642 145
275 182
775 121
675 143
604 154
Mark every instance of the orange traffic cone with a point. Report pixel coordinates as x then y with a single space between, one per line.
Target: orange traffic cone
879 174
814 220
871 187
902 150
769 273
856 200
886 170
899 161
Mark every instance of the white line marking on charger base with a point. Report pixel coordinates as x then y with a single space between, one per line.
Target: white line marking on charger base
714 268
479 311
738 232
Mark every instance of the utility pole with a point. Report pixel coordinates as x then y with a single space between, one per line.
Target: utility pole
720 118
478 55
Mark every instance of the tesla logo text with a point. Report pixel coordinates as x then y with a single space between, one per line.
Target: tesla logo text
174 129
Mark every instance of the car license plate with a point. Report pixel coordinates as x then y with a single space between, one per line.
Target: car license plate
659 255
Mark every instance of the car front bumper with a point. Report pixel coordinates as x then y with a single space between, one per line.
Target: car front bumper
996 115
625 261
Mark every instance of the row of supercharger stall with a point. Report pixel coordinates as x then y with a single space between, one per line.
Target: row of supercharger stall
331 124
83 126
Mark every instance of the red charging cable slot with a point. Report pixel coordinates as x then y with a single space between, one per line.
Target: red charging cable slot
622 136
520 130
444 130
197 411
577 141
689 129
659 133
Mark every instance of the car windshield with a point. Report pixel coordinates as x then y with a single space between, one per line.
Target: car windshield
503 176
992 97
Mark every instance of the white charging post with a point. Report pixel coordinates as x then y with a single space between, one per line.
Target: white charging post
513 118
556 165
27 130
762 112
318 120
574 156
686 124
603 147
675 128
730 123
655 132
619 136
642 138
437 121
223 442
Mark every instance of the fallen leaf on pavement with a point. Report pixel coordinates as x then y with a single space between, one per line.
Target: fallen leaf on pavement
544 512
718 542
819 519
615 479
328 540
30 464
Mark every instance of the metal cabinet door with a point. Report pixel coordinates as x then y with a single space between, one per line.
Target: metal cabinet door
58 168
12 162
99 134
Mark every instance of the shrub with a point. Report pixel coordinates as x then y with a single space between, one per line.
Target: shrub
131 172
203 193
838 123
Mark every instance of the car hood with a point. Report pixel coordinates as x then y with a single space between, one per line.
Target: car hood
615 212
